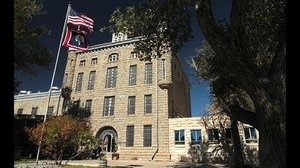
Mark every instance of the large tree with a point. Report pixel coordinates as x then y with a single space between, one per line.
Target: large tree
252 46
62 137
28 51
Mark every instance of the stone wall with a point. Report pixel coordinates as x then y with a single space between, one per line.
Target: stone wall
38 100
161 98
210 150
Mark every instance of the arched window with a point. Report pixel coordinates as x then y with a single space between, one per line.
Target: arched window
113 57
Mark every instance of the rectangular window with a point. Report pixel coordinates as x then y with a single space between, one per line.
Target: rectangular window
130 136
163 69
133 55
79 82
148 104
111 77
34 111
20 111
132 75
65 79
109 106
147 135
148 73
50 110
131 105
88 108
94 61
179 137
196 136
213 134
82 63
91 80
250 135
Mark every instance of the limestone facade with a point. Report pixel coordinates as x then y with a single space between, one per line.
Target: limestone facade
34 104
210 143
165 95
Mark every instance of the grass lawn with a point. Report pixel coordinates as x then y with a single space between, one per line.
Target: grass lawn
79 166
66 166
24 161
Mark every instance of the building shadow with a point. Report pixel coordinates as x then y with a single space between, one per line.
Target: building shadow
130 166
135 165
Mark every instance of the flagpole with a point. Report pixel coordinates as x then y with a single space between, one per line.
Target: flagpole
51 85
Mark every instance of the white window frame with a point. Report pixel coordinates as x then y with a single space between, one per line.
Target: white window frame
179 137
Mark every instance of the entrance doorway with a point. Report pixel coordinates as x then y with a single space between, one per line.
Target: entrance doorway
108 139
109 142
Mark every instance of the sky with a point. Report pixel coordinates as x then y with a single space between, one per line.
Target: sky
100 12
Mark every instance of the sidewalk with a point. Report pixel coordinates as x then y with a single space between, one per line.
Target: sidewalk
143 164
122 164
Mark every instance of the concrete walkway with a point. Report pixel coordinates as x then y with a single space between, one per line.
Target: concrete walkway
122 164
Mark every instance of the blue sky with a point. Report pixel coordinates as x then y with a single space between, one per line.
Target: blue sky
100 11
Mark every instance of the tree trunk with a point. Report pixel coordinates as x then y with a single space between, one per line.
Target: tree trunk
238 158
61 153
266 91
272 139
55 158
65 105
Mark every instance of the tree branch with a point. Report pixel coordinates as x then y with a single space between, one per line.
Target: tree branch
242 115
214 34
238 25
245 71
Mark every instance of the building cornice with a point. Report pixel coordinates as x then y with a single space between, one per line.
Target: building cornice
108 45
54 93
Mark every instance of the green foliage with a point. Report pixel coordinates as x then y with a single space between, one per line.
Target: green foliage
86 138
62 137
223 84
265 20
74 110
163 25
66 92
28 51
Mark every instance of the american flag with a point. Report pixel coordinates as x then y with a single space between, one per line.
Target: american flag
79 19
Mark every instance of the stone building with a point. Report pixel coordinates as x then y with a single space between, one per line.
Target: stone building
29 109
196 139
130 100
33 105
138 109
